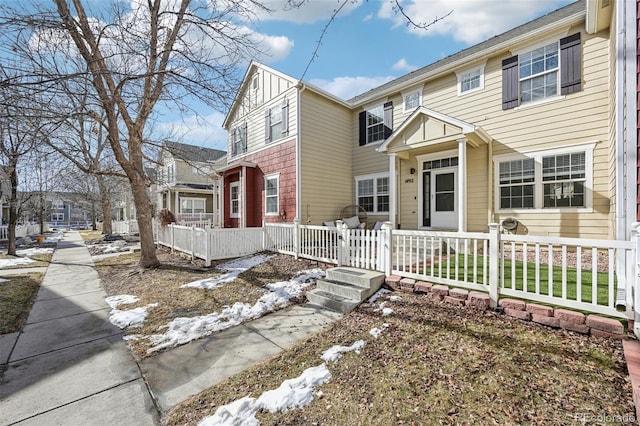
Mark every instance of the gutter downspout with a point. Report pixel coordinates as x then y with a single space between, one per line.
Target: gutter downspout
301 87
490 195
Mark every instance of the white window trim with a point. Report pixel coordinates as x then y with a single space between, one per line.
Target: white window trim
192 199
460 74
57 217
266 178
587 148
238 130
404 100
231 213
171 177
367 109
375 177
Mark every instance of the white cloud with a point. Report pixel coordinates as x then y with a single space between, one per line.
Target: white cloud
471 21
196 130
310 12
403 65
274 48
348 87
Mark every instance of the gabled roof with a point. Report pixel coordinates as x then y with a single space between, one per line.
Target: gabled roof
192 153
475 135
558 18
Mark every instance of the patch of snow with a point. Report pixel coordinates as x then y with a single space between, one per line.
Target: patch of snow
376 332
184 330
131 318
377 294
234 268
4 280
386 312
334 353
292 393
34 250
6 263
121 299
395 298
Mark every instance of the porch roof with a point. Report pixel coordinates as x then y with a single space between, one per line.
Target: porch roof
426 127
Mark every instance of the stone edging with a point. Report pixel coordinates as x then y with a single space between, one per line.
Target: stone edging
594 325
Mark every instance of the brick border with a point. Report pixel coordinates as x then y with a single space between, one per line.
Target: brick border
594 325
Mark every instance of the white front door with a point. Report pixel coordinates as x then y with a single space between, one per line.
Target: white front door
439 198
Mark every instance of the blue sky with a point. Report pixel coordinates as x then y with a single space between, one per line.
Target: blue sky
368 44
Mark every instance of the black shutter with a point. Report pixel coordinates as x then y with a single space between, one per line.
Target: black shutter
570 64
362 117
244 137
388 119
510 86
267 125
285 117
233 141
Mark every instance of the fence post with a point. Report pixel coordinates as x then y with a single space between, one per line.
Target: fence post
494 264
207 253
343 243
193 242
296 237
385 252
172 237
634 283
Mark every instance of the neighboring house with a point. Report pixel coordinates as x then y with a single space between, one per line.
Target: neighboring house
187 184
524 125
58 208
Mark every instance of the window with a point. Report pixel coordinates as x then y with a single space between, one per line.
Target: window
543 72
412 100
545 180
58 205
57 217
239 140
277 121
234 196
373 193
471 80
192 205
563 178
171 173
376 123
271 195
517 184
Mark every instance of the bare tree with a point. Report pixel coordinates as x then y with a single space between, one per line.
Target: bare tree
137 55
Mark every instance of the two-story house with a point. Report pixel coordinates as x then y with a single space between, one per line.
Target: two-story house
519 129
187 183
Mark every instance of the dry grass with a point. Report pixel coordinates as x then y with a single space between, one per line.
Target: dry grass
121 275
16 298
90 235
439 364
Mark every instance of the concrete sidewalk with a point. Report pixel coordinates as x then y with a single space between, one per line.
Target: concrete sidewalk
70 365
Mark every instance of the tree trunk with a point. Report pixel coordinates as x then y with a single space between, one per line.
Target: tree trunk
148 258
13 209
106 206
41 213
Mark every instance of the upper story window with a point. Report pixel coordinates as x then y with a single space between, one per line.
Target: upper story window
171 175
376 123
277 121
471 80
543 72
546 180
239 140
412 100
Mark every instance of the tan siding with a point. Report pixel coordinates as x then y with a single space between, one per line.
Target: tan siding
326 179
611 127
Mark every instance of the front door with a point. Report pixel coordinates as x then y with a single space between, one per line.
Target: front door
439 200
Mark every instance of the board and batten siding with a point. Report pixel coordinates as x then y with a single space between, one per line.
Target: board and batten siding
271 92
325 159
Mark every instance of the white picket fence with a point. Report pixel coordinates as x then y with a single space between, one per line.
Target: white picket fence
22 230
596 276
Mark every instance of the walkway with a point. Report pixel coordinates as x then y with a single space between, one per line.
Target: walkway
70 365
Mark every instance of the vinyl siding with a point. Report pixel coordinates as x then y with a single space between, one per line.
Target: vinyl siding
611 128
325 153
578 118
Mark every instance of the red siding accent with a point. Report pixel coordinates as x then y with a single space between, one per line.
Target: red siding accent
279 159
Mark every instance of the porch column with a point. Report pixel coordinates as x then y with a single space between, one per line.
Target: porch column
243 197
177 205
393 192
462 184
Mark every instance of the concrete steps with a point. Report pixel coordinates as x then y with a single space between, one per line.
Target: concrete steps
344 288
